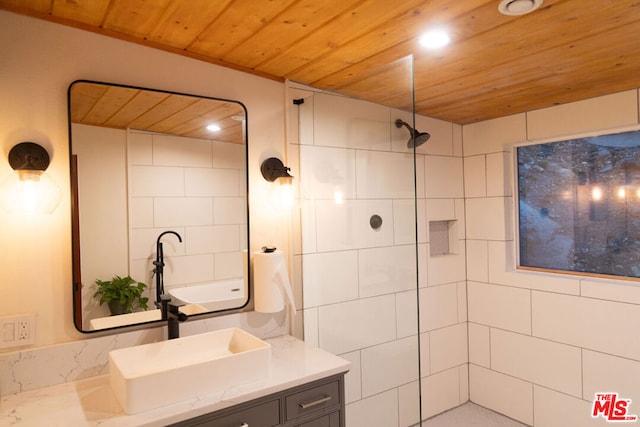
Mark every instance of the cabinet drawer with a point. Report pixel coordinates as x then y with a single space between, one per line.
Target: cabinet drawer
314 399
330 420
264 415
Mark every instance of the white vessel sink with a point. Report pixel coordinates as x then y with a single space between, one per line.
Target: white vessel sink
152 375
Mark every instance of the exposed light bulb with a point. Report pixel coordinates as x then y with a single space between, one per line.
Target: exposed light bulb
29 192
596 193
286 194
213 128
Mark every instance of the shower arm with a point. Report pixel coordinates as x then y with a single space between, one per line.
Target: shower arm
400 123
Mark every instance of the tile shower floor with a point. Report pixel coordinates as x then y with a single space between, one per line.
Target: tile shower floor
471 415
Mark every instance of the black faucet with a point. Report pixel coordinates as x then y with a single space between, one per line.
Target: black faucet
172 314
159 263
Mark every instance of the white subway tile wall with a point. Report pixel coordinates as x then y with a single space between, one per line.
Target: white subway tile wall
607 112
502 393
606 372
558 409
442 391
399 361
360 282
543 362
536 347
590 323
404 221
475 176
406 318
448 347
541 345
409 404
378 410
500 306
330 277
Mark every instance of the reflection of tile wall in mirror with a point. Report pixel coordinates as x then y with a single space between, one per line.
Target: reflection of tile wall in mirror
187 185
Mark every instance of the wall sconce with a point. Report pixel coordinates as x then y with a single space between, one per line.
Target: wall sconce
28 189
273 169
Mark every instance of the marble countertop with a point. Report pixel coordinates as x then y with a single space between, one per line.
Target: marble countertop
90 402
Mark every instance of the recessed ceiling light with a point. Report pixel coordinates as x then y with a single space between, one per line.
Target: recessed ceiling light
213 127
518 7
435 39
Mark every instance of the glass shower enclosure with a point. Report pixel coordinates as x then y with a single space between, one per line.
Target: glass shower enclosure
361 248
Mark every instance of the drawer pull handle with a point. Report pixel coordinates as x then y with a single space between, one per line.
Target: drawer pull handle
315 402
244 425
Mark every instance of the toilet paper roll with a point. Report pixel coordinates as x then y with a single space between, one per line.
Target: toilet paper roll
271 282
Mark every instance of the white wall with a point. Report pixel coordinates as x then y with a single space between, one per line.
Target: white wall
541 345
39 61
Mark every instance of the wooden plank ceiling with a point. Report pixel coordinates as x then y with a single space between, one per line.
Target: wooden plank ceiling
495 66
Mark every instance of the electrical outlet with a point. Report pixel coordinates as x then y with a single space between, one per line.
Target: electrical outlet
17 331
24 330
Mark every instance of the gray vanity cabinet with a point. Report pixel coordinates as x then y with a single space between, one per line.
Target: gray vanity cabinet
316 404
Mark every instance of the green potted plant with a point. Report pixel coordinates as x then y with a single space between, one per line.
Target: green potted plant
122 294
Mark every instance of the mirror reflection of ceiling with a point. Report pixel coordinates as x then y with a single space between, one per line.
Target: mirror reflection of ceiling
495 66
121 107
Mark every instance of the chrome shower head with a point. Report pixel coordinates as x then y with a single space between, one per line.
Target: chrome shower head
417 138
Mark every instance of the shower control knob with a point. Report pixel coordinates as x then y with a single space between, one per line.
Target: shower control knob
375 221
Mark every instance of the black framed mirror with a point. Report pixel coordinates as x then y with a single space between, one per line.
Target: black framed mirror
159 203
